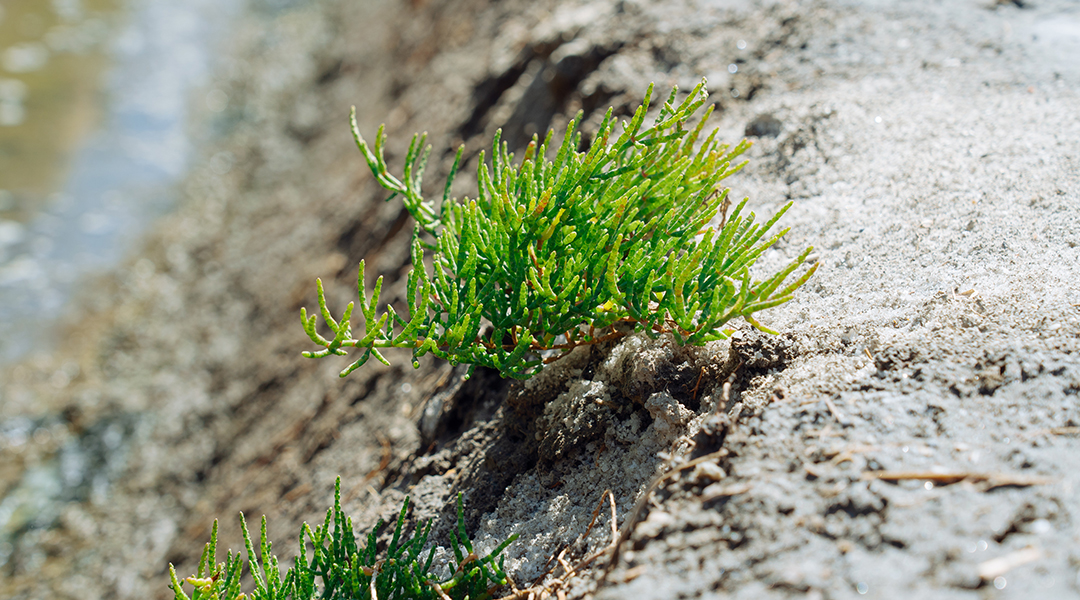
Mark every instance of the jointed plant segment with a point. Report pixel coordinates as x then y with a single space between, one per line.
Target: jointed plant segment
344 570
553 252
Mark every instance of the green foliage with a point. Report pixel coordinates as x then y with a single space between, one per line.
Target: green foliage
553 253
340 569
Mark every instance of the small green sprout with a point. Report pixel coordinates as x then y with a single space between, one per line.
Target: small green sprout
342 570
554 254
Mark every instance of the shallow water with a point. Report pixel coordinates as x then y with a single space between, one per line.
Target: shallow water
101 102
96 103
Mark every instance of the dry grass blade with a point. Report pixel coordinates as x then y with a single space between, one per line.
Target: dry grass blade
990 480
635 513
997 567
840 418
1049 431
538 591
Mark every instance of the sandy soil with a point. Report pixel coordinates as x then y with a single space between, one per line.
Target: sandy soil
911 433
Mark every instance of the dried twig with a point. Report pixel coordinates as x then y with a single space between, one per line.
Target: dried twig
435 586
996 567
635 513
540 591
840 418
693 393
708 495
1050 431
992 480
384 460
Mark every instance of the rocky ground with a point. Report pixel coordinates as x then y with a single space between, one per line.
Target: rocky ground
911 433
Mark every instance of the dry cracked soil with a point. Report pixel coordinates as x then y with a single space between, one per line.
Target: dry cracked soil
911 433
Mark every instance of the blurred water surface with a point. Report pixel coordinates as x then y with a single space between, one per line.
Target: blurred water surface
101 102
95 103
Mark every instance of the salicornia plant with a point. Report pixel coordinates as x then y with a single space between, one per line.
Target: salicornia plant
551 254
340 569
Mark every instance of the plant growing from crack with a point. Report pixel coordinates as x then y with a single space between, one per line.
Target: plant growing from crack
555 254
340 569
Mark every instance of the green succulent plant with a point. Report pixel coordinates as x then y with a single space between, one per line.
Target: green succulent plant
554 253
341 569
